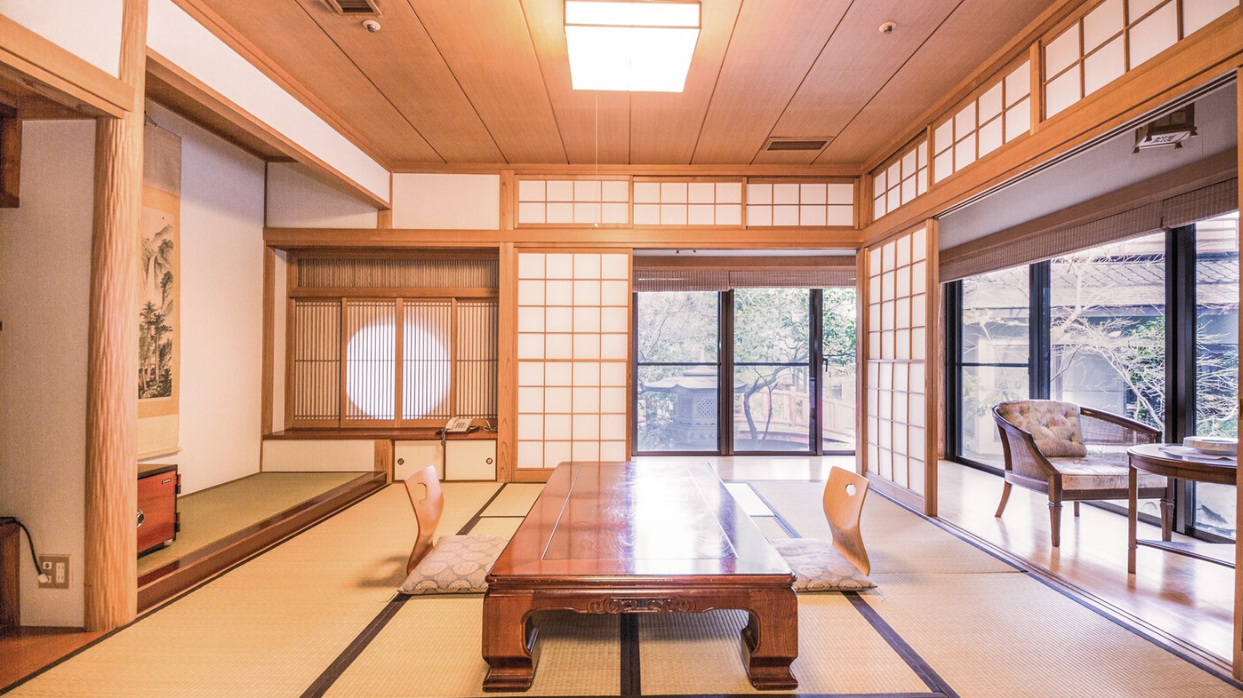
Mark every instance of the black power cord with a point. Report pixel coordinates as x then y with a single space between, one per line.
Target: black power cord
29 539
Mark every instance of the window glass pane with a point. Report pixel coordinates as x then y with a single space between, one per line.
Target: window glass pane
772 345
1107 333
995 309
676 398
1217 358
837 416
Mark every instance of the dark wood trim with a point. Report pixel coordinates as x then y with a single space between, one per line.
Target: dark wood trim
177 576
10 575
813 263
374 433
908 654
10 158
631 674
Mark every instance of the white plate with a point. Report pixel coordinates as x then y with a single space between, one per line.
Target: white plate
1218 445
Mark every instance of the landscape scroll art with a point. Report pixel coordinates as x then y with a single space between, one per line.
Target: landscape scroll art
159 327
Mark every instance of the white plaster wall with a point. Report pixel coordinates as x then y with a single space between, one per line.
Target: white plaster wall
222 202
447 201
89 29
296 199
178 37
45 260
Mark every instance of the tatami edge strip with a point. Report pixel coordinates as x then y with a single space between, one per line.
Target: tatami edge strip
917 663
1104 609
342 662
631 676
169 602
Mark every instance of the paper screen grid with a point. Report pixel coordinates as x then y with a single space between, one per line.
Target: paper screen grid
896 360
800 204
573 354
573 202
1114 37
999 115
687 203
902 180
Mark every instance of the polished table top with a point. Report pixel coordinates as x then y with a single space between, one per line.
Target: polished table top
603 521
1168 460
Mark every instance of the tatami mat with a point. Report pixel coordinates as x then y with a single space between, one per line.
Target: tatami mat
515 500
504 527
212 514
897 540
839 652
271 626
769 526
432 648
1009 636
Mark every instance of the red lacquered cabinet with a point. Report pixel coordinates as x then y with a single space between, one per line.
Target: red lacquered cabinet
158 523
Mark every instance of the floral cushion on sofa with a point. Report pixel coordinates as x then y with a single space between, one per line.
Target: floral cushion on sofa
456 565
819 567
1053 425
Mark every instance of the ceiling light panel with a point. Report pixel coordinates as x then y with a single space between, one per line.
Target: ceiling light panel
630 46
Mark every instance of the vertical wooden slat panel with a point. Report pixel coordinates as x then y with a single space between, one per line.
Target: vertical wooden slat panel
111 571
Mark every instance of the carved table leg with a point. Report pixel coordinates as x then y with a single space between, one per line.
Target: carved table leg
770 640
508 641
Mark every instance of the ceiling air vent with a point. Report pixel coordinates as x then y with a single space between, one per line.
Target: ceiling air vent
777 144
355 7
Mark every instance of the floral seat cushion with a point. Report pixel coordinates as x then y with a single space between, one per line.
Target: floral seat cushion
1053 425
819 567
456 565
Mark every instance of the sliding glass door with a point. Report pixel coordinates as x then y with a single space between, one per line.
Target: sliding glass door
772 370
747 371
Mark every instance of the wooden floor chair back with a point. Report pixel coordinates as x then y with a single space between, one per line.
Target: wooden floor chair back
428 501
843 504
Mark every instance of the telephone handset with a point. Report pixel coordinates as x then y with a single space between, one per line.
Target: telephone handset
458 425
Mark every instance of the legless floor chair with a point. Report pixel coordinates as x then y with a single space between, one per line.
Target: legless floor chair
839 564
451 564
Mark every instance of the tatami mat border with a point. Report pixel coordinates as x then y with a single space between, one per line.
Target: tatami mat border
169 602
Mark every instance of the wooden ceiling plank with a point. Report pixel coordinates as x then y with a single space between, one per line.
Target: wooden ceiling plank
405 66
594 124
304 60
488 48
774 44
973 32
854 66
664 127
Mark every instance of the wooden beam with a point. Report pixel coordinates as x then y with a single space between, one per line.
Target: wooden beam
933 366
507 367
111 569
529 170
668 238
269 340
197 91
49 70
1198 63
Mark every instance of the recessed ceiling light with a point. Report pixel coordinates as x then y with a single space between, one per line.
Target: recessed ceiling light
630 46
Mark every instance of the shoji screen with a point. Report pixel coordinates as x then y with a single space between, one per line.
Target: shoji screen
573 354
900 295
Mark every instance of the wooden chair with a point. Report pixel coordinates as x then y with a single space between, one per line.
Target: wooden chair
840 564
428 501
843 505
1045 444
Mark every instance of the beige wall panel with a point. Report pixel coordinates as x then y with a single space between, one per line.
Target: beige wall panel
447 201
417 455
45 257
335 455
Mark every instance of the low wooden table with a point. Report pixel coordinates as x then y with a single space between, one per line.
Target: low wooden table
628 538
1152 459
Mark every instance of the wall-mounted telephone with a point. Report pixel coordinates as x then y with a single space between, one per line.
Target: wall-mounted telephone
458 425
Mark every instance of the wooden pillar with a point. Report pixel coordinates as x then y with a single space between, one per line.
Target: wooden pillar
111 573
1238 551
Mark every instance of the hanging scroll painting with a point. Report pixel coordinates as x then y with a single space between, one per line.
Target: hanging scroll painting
159 326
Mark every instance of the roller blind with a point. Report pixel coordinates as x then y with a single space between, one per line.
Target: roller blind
983 256
648 279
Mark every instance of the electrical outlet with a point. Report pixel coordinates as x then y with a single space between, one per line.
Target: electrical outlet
56 567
